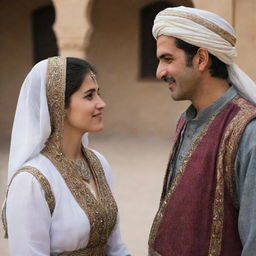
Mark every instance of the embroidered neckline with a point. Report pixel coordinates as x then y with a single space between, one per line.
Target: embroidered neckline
102 213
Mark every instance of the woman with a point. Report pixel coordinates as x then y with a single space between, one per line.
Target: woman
58 200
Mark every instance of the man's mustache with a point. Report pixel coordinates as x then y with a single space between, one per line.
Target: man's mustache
168 79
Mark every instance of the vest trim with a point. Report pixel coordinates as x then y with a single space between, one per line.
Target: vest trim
225 181
174 185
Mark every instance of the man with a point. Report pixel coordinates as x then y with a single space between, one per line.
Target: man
208 203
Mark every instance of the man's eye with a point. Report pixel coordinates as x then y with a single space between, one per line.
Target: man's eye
169 60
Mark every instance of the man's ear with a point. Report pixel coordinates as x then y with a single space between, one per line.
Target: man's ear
202 59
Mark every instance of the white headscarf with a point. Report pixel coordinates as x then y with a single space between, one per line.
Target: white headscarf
32 127
207 30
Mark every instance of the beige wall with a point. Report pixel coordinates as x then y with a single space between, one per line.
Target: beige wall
135 106
245 25
241 14
222 8
16 55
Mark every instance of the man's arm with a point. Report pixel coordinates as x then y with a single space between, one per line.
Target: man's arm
245 178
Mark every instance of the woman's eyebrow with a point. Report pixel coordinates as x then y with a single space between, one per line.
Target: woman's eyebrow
90 90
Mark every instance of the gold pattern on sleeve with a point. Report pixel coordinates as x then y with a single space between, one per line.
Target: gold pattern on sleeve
49 197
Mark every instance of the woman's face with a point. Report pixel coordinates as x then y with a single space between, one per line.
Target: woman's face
84 113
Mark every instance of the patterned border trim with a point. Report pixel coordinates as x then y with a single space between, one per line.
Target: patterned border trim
225 170
152 252
223 175
101 212
49 197
246 114
56 84
206 23
175 183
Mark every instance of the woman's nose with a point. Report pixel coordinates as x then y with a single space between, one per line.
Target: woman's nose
100 104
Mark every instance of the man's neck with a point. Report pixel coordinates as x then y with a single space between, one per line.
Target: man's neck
209 93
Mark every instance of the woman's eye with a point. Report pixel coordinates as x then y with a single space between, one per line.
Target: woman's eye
89 96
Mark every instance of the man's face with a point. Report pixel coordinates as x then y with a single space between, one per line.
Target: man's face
183 80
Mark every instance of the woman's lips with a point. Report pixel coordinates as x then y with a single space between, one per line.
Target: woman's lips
99 115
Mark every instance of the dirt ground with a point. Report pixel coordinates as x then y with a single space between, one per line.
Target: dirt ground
138 166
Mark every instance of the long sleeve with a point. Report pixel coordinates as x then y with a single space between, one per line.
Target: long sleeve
245 176
28 217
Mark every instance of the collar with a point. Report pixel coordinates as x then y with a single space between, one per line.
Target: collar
204 114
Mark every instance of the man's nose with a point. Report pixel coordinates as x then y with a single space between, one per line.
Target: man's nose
161 71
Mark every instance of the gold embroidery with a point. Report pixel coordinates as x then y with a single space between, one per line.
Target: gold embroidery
206 23
152 252
225 170
55 89
218 212
224 174
235 130
174 185
49 197
102 213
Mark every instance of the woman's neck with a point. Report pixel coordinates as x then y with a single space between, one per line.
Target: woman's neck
71 144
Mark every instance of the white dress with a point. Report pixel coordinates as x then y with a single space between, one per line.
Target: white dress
33 231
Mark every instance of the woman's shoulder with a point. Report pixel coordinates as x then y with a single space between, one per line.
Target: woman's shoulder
43 165
35 172
32 172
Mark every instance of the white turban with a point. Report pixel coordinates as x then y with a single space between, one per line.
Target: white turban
206 30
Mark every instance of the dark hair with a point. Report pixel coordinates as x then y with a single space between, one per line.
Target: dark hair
76 71
217 68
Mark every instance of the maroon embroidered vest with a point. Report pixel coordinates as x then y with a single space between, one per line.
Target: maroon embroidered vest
198 215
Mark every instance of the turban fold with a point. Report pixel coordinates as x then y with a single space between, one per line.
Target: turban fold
206 30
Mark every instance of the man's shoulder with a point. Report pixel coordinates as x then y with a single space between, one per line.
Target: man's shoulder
245 113
246 120
244 104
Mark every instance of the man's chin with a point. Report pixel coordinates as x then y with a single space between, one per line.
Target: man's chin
176 97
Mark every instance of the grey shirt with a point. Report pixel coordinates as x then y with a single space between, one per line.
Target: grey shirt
245 165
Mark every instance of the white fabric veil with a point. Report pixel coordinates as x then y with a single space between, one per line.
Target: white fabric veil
207 30
31 126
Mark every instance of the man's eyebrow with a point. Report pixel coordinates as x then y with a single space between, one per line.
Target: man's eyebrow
164 55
